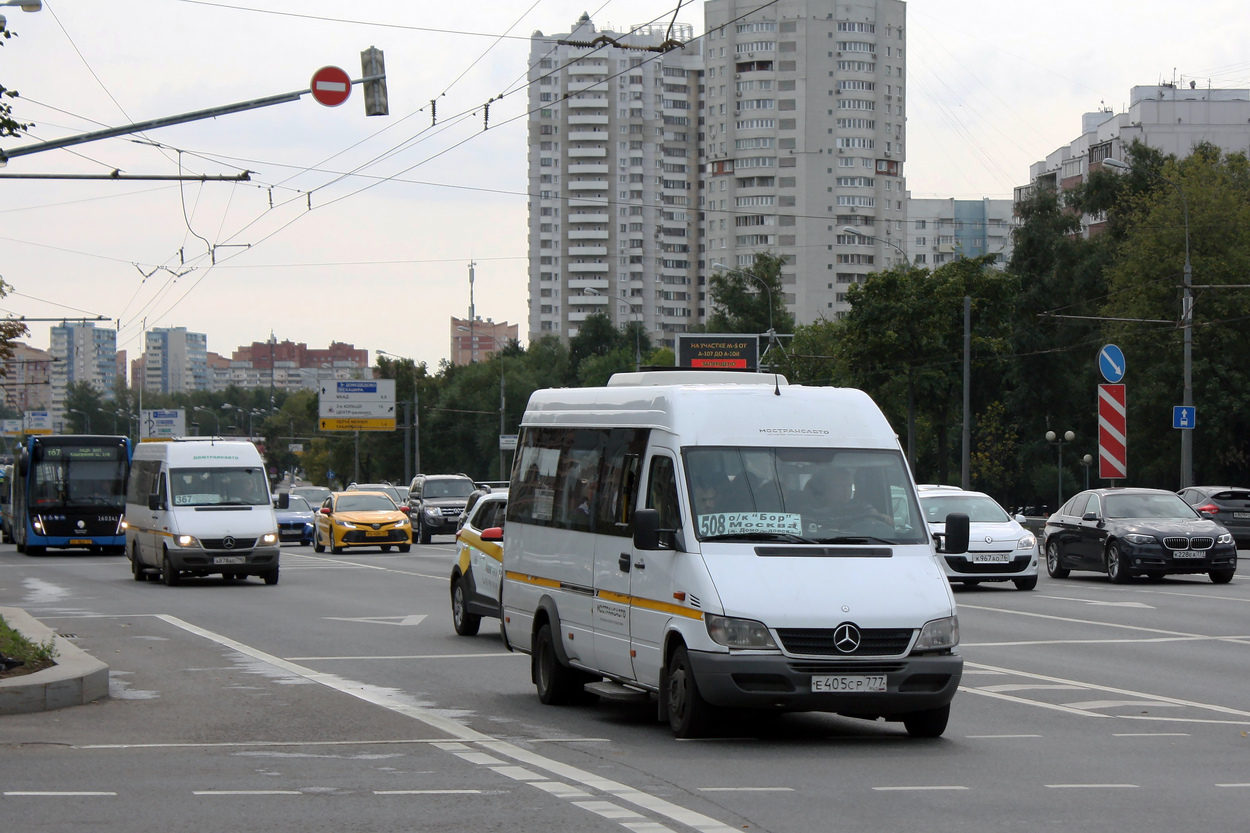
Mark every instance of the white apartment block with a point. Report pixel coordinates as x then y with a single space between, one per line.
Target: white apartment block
84 353
613 181
174 360
942 230
806 135
1169 118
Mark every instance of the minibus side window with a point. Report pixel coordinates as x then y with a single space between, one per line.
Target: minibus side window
662 492
622 463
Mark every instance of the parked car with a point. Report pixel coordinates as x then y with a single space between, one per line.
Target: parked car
315 495
295 523
478 570
1127 532
1227 505
435 503
999 548
361 519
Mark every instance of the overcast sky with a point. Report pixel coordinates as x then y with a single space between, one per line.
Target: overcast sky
361 229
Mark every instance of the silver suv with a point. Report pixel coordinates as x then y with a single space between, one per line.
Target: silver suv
435 502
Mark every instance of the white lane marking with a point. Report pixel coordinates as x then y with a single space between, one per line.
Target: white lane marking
746 789
1150 734
427 792
561 790
998 737
387 700
480 758
518 773
1027 702
246 792
645 827
916 789
1098 602
1203 596
54 794
1114 704
248 744
1232 785
413 619
1070 620
1032 687
412 656
1236 638
569 740
607 809
1091 786
1156 698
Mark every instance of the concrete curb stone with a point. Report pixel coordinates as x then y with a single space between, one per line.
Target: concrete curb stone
77 677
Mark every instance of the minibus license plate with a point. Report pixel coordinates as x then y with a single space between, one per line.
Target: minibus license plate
1189 554
988 557
230 559
79 541
871 682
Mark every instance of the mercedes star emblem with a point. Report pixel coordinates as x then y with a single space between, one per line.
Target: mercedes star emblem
227 542
846 638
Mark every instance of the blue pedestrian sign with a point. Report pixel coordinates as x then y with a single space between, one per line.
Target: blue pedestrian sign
1184 416
1111 363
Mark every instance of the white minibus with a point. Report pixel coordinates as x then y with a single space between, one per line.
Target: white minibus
726 540
200 507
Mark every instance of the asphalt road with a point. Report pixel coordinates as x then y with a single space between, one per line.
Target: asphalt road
342 700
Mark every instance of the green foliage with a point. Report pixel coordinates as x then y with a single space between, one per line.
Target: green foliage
10 330
739 304
13 644
9 126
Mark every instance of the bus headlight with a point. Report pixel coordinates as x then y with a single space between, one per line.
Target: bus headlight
739 633
37 523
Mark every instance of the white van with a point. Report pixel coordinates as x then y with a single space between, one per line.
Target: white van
725 539
200 507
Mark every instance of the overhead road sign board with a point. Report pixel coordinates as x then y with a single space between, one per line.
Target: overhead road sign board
162 425
357 405
357 424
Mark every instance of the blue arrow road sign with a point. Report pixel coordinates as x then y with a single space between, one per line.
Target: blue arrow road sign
1184 416
1111 363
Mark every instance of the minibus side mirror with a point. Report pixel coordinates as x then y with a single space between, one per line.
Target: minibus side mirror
956 538
154 501
647 532
284 501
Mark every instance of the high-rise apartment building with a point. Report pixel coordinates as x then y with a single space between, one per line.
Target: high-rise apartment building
174 360
613 180
27 380
85 354
806 135
942 230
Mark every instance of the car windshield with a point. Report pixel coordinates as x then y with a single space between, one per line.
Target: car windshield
214 486
298 504
365 503
979 509
313 494
1148 506
816 495
452 487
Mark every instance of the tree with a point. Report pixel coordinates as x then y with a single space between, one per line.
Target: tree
10 330
740 305
9 126
85 402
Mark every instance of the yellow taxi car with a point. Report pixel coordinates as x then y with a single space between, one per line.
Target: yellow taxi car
361 519
478 570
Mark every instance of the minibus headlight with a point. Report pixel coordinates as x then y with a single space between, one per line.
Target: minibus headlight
270 538
186 541
1028 542
739 633
940 634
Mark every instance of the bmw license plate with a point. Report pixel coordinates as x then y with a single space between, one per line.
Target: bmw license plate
229 559
988 557
1189 554
866 683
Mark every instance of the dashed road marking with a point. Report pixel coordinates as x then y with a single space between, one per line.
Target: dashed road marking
1091 786
919 788
746 789
55 794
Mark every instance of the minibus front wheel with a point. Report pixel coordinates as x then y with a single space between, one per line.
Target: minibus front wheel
688 713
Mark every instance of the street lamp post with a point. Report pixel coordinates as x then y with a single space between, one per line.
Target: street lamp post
1187 322
772 333
109 413
1087 461
86 417
635 307
213 414
24 5
1059 443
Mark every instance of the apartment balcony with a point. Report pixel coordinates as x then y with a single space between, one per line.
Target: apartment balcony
598 202
587 251
588 136
597 282
582 85
588 234
578 68
586 267
588 153
586 118
587 103
590 168
588 217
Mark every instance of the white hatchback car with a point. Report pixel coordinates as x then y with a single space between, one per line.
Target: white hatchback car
999 548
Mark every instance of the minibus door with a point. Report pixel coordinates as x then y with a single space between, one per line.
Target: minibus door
654 603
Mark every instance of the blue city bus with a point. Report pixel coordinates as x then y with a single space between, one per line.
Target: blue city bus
69 491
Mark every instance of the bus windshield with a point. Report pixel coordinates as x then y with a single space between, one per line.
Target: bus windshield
805 495
218 487
78 477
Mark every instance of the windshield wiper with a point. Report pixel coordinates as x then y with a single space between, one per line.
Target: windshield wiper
760 536
855 539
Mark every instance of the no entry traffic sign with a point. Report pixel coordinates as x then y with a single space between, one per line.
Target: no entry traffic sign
331 86
1112 432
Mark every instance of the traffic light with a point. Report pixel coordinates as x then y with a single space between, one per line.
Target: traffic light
373 69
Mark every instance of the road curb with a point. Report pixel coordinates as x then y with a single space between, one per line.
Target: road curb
77 677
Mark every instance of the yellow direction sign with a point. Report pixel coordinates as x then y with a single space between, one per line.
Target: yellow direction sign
358 424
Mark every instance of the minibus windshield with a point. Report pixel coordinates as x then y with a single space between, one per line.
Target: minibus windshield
802 495
219 486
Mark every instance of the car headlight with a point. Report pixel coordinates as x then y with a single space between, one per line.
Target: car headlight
1138 538
739 633
186 541
939 634
345 524
270 538
1028 542
433 512
1226 538
401 522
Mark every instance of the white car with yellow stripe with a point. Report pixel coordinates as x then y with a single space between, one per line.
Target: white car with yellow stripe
478 570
